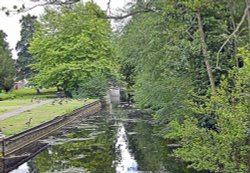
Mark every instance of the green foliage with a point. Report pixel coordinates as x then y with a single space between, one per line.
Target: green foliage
197 4
24 57
94 87
28 93
223 148
7 69
244 72
6 96
153 65
70 47
163 60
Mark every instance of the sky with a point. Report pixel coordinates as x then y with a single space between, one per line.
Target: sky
10 24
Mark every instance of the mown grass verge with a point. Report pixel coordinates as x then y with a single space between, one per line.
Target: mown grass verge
16 102
7 109
28 93
39 115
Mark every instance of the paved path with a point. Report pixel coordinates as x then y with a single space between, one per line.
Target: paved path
22 109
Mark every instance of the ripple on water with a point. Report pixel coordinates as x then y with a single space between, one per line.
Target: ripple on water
61 141
71 170
101 144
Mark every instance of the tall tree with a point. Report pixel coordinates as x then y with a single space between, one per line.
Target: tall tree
157 63
69 47
173 58
24 57
7 69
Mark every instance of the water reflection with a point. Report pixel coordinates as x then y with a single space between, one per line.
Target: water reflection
24 168
126 163
87 147
121 142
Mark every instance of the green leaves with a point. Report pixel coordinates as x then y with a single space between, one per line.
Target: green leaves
222 148
197 5
154 56
166 58
7 69
71 46
24 57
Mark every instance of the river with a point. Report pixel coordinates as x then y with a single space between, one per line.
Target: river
123 141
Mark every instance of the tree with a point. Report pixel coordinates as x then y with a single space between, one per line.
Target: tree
7 69
24 57
23 8
155 66
183 63
69 47
173 58
223 149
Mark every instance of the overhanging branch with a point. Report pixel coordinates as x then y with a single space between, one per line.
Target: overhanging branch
23 9
120 17
232 35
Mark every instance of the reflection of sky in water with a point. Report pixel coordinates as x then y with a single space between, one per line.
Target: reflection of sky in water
127 163
24 168
89 148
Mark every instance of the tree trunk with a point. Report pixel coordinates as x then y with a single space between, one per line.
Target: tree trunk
67 93
205 52
7 89
248 16
233 26
58 88
248 153
38 91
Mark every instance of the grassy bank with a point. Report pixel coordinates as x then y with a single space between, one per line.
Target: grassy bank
7 109
39 115
28 93
16 102
23 97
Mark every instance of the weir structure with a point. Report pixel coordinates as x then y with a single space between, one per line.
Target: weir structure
15 143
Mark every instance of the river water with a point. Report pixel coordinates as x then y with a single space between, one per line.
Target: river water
124 141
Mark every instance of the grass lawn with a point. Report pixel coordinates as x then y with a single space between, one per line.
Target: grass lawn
39 115
16 102
9 105
28 93
7 109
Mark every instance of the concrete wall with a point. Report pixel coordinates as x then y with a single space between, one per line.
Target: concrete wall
114 94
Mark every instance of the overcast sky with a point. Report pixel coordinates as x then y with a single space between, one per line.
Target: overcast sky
10 24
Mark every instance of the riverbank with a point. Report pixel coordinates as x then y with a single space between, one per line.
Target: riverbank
106 142
14 143
26 117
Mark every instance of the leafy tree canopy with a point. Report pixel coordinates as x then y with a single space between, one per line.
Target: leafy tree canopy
7 69
199 96
24 57
70 46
